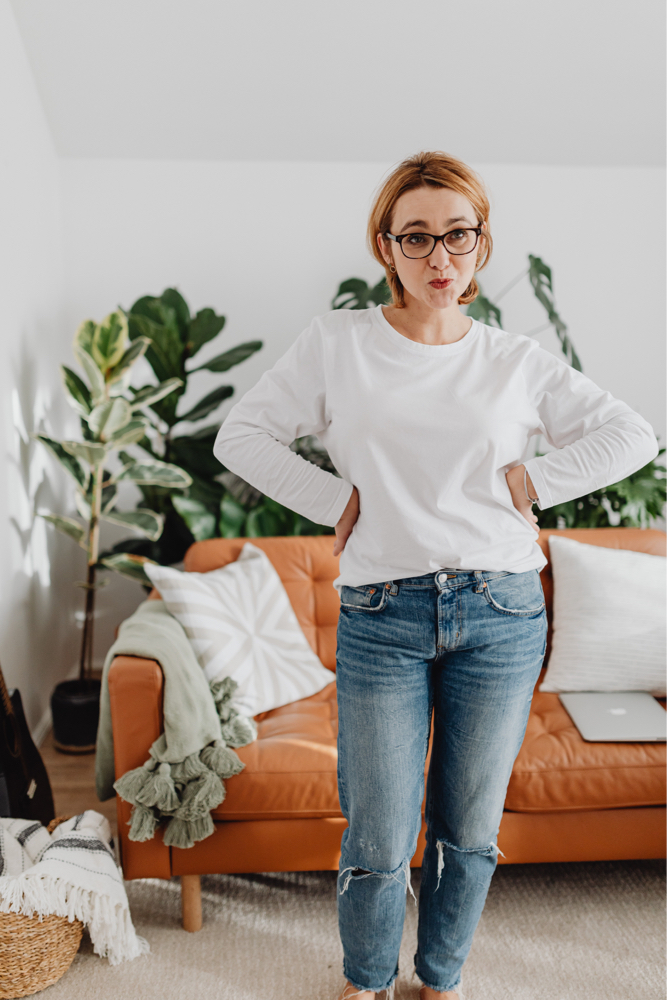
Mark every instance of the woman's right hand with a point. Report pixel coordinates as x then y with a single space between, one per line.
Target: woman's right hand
347 522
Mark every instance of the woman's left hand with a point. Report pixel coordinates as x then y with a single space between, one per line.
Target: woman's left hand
519 499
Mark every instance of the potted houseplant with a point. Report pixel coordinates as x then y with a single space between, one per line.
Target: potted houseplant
112 420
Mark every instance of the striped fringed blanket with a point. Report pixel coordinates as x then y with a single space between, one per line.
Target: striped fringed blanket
71 873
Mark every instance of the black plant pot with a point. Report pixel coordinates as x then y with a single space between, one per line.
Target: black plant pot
75 708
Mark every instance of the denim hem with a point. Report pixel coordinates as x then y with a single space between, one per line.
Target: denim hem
371 989
458 986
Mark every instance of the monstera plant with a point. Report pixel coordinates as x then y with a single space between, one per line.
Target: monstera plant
112 419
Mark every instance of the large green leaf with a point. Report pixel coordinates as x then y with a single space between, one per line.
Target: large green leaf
355 293
93 374
208 403
485 311
206 491
232 518
172 299
131 433
68 526
130 566
147 522
194 452
109 340
83 338
78 471
154 473
136 350
106 419
152 393
200 520
223 362
87 451
165 354
204 327
540 278
78 393
149 306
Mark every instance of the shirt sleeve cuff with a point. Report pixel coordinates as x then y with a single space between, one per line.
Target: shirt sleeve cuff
544 499
339 505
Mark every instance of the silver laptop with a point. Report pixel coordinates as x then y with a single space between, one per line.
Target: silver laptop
616 715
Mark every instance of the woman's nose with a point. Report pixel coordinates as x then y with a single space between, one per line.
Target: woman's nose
439 256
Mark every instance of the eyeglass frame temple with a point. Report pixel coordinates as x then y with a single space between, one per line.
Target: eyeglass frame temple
437 239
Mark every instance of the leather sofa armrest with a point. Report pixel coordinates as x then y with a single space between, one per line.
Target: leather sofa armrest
135 698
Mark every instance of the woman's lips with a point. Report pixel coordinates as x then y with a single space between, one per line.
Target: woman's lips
444 283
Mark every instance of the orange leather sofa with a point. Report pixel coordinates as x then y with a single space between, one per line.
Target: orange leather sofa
568 799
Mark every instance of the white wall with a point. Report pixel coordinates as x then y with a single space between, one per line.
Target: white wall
37 599
523 81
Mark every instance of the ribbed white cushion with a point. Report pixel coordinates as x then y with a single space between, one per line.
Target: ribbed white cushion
241 624
608 619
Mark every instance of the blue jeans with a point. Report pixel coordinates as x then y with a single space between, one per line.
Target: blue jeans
467 647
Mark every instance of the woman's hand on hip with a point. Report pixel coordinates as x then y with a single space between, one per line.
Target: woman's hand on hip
519 499
347 522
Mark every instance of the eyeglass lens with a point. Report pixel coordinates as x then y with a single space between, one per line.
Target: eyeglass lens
421 244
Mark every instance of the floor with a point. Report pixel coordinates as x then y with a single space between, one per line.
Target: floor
548 932
72 778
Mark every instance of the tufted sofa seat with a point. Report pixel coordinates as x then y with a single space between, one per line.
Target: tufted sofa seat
568 800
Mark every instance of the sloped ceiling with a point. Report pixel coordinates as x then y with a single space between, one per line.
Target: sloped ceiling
577 82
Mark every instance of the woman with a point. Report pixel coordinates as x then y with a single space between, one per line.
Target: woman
426 414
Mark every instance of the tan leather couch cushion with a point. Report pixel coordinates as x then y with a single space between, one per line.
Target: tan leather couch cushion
557 771
291 767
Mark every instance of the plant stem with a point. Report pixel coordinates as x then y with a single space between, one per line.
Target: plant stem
86 662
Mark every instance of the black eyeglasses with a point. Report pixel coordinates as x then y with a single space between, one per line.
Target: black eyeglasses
456 241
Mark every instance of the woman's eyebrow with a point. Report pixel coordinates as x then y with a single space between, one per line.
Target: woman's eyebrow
420 222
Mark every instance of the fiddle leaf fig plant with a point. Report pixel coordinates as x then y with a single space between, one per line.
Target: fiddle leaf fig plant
110 421
176 336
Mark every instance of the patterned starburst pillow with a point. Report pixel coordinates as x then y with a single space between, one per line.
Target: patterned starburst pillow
241 625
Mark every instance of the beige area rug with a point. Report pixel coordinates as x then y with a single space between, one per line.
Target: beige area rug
591 931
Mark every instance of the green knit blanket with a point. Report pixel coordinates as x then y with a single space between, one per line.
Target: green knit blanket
183 778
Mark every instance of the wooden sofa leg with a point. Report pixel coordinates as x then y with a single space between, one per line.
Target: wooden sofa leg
191 902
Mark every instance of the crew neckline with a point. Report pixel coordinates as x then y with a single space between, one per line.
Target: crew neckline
435 350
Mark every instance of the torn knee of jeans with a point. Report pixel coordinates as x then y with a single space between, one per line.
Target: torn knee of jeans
441 844
352 872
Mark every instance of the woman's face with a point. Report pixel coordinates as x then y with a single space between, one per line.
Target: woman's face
438 280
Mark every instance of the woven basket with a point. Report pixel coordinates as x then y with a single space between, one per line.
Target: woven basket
35 953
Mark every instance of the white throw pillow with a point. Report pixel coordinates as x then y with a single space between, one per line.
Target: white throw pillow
608 619
241 624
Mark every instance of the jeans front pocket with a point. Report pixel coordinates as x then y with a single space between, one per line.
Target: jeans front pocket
517 594
369 598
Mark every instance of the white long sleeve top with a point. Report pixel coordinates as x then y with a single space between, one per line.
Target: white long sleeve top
427 434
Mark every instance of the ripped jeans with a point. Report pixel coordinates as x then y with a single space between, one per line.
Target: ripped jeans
465 647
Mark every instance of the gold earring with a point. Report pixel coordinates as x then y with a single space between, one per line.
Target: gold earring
392 269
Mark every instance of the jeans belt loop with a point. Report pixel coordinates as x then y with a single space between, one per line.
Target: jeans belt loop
479 577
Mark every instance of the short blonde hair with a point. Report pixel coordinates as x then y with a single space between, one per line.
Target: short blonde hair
429 170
